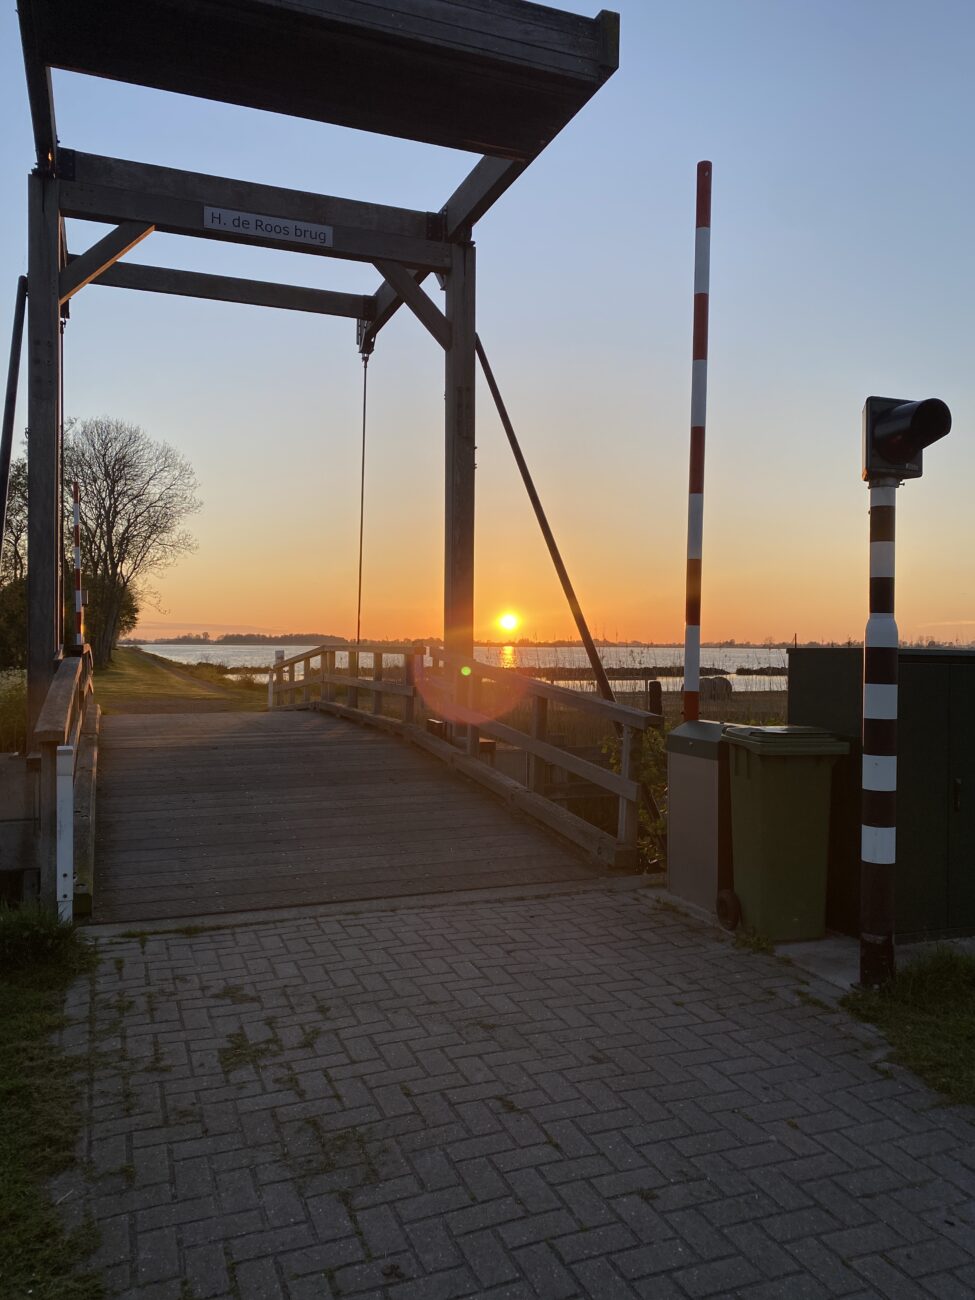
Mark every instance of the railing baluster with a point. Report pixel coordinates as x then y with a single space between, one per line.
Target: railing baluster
629 814
473 701
377 676
64 831
409 676
353 699
306 680
537 766
329 661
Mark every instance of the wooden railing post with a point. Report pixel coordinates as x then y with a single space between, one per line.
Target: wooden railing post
328 659
306 680
629 813
292 693
536 765
377 676
47 842
410 666
274 681
64 830
473 701
353 700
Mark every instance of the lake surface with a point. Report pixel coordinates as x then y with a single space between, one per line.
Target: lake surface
752 657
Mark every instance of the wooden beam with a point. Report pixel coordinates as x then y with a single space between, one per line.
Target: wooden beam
257 224
477 192
226 288
90 265
481 188
224 192
459 458
427 312
40 93
43 443
500 77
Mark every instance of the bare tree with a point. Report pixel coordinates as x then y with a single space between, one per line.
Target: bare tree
14 562
135 495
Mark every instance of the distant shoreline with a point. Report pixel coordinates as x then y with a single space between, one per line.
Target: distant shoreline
315 638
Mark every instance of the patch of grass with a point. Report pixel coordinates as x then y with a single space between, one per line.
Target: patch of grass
39 1120
13 712
135 676
752 941
239 1050
31 933
928 1013
234 993
811 1000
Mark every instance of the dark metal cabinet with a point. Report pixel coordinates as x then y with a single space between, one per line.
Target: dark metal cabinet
935 876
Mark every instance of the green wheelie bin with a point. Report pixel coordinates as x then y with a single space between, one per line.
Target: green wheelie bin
780 803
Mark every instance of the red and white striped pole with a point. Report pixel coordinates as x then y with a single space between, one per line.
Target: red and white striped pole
79 613
699 400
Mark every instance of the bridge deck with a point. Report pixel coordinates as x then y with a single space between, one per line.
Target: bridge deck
203 814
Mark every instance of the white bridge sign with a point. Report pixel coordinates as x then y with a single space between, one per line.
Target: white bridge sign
227 221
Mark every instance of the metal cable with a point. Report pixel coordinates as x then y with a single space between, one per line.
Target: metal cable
362 495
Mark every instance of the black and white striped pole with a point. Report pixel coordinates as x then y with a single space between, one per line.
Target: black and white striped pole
895 433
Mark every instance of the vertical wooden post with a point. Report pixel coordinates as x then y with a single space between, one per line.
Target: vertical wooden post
306 680
329 664
291 681
459 461
536 765
64 832
474 688
377 676
409 710
353 692
43 439
628 827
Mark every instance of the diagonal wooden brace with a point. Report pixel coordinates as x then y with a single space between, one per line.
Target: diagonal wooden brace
426 311
100 257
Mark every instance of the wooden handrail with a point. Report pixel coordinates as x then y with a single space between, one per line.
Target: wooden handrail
585 701
407 648
454 693
56 737
61 704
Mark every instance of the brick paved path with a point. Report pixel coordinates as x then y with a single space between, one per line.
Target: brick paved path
581 1095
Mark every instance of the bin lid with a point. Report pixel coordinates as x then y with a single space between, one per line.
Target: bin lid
782 742
702 739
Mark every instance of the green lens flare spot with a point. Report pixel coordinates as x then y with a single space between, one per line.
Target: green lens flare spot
465 671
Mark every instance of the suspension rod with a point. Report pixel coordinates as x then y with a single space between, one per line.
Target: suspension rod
602 681
10 401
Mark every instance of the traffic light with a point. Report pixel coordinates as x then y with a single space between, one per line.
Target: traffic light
895 433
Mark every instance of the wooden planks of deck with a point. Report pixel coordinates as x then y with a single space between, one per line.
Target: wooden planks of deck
207 813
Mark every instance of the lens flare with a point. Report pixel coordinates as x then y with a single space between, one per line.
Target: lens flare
508 622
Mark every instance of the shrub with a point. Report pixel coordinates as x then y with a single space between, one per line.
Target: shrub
31 933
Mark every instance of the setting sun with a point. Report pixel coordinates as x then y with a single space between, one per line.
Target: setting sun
508 622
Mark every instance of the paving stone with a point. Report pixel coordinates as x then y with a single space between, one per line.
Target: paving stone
571 1096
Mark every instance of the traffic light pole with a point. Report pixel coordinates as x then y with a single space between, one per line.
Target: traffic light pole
878 829
895 434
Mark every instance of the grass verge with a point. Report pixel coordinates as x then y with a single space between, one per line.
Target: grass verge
928 1013
39 1119
138 679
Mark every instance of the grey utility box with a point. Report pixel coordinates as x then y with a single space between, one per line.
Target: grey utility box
934 890
698 815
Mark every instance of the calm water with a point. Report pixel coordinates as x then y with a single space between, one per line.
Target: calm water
774 661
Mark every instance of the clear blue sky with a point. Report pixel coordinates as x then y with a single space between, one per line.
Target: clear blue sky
842 265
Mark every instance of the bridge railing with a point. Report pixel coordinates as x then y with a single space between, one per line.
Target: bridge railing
314 677
56 743
461 710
